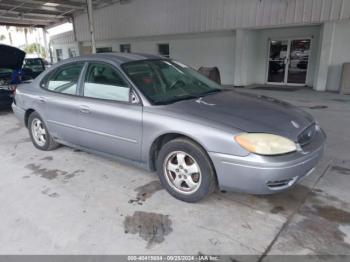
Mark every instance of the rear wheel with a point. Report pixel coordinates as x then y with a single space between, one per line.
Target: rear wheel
39 134
185 170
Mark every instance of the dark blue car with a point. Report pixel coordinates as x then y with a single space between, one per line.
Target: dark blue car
11 62
6 98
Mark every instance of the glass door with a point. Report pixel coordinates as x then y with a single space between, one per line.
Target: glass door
298 61
278 54
288 61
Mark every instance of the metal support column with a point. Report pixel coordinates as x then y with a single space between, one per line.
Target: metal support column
91 25
46 44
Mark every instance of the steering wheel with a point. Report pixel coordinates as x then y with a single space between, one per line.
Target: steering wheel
176 82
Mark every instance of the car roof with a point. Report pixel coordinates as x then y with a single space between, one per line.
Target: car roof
121 58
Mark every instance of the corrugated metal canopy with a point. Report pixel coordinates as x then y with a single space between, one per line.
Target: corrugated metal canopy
43 13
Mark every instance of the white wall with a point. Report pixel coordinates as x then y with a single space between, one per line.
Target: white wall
166 17
340 53
324 57
247 63
196 50
64 47
62 38
208 51
246 49
188 26
330 49
63 41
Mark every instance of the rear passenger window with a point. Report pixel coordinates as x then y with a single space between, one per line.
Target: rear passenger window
104 82
65 79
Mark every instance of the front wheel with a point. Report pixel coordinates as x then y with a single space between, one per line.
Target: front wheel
185 170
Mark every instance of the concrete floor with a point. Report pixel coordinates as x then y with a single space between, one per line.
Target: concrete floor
71 202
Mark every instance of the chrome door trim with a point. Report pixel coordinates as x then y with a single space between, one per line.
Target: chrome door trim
94 132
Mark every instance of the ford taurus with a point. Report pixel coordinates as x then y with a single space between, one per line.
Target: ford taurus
165 116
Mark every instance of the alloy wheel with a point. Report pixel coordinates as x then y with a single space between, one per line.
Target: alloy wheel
38 132
182 172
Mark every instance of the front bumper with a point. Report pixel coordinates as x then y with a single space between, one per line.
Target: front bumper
256 174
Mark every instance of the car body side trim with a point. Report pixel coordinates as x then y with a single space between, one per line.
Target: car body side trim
94 132
267 168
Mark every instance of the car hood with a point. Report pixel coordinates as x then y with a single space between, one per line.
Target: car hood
247 112
11 57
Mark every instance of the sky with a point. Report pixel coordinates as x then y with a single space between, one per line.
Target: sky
18 38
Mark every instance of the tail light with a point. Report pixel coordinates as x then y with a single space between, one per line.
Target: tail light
13 88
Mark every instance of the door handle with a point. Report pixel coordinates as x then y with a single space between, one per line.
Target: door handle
42 99
85 109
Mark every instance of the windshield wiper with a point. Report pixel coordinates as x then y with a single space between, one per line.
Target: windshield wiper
187 97
211 92
176 99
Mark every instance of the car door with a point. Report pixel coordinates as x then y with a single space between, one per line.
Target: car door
59 101
108 122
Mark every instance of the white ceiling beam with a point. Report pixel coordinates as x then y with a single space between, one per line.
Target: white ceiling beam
23 14
35 8
27 11
27 19
67 4
15 20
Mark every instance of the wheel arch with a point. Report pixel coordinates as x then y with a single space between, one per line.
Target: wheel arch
162 140
27 114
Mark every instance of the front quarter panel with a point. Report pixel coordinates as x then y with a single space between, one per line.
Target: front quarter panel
212 139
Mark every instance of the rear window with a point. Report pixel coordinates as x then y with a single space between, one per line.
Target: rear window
6 76
64 79
34 64
33 61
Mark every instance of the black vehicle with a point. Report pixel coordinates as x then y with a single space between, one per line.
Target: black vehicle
34 66
10 73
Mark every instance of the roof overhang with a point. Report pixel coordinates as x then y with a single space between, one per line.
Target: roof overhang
43 13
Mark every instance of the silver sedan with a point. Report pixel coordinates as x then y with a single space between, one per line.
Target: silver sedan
164 116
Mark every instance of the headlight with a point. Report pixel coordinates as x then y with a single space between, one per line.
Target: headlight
265 144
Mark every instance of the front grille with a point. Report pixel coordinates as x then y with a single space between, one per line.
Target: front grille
306 136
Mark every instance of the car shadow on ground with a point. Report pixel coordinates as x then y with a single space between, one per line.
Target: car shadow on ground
5 111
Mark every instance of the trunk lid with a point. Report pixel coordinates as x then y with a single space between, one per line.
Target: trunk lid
11 57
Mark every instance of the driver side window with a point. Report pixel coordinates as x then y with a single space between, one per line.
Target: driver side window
65 79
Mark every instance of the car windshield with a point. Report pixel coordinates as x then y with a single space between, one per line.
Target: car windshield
166 81
5 76
33 62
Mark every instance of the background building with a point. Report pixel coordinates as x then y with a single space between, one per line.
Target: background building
294 42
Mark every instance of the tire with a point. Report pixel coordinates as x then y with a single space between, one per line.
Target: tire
46 143
185 170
